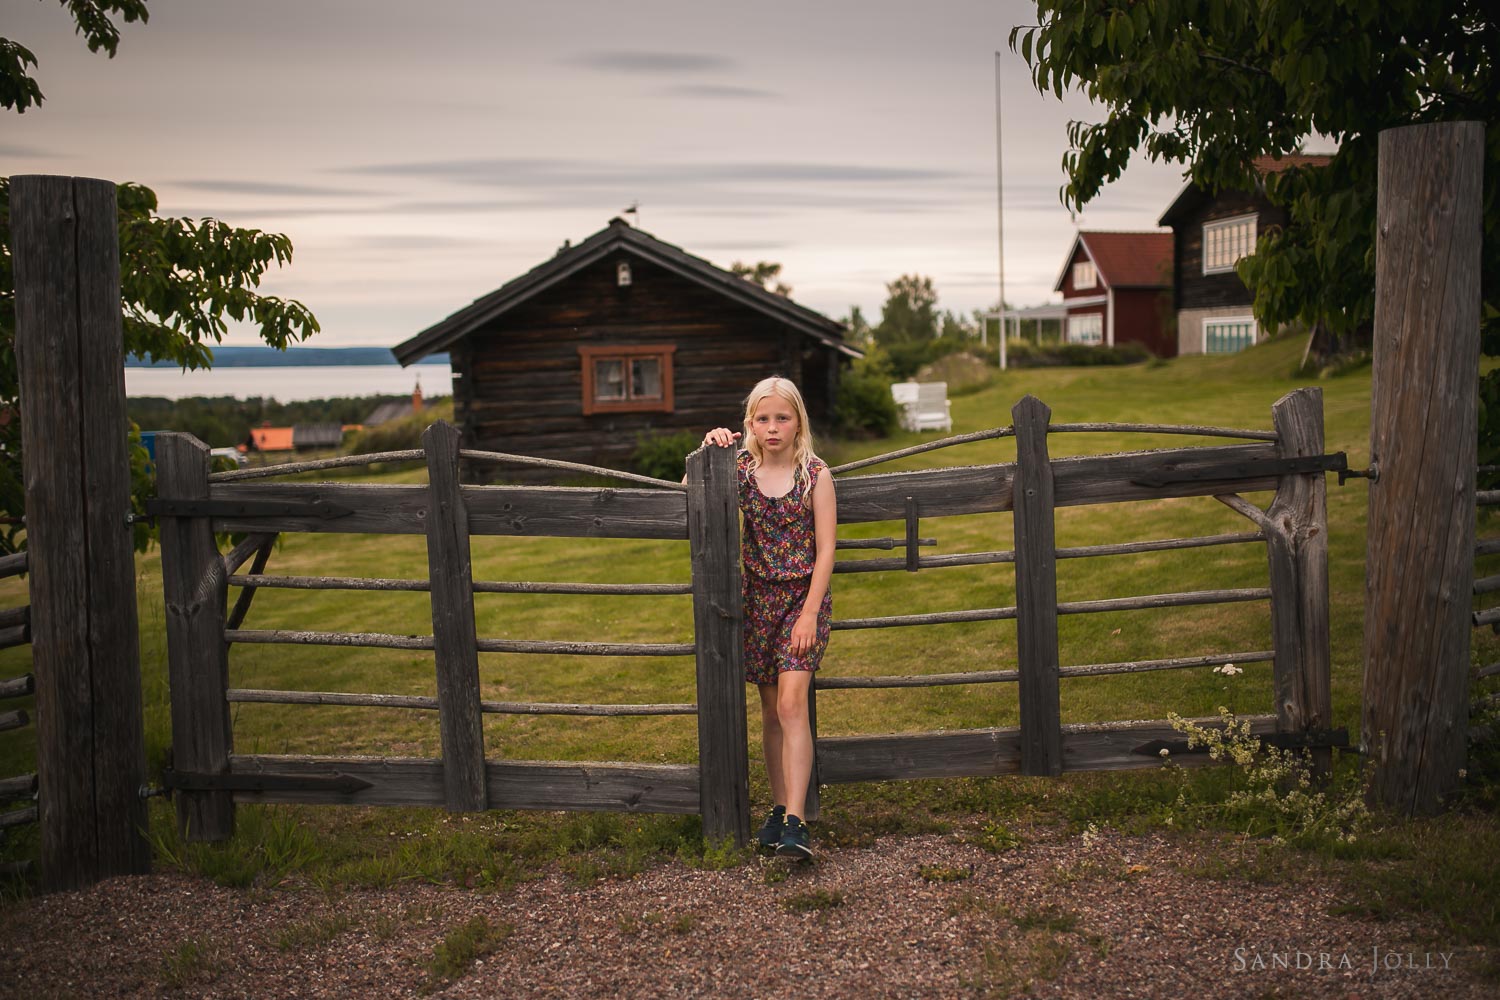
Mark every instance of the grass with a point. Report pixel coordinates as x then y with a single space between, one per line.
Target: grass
460 948
373 847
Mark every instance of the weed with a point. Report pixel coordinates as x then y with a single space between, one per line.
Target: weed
192 961
943 873
312 933
996 838
814 899
684 923
1015 967
1050 917
384 926
461 948
1276 797
969 902
628 924
715 856
775 874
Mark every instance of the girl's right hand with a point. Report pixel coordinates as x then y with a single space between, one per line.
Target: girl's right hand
721 436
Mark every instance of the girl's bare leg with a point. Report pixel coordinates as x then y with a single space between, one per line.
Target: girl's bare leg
771 740
796 737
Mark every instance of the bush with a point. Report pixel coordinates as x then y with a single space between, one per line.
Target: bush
864 406
1025 354
662 454
399 435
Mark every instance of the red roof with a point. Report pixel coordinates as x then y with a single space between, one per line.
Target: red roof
271 438
1276 164
1126 260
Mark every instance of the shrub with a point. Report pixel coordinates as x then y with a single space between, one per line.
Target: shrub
1025 354
399 435
663 454
864 406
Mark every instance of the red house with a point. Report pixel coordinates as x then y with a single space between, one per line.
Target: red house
1117 289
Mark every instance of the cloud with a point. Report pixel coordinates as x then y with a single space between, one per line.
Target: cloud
652 63
268 187
545 173
24 152
717 91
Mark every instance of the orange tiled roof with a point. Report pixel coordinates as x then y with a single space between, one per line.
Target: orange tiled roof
271 438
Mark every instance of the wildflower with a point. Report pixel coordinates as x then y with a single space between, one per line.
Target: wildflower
1463 773
1167 753
1229 670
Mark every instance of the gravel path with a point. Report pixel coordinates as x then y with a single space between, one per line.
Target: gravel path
1084 917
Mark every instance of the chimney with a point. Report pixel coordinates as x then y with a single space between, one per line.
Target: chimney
416 397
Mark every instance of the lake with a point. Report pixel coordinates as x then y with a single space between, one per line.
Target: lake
290 384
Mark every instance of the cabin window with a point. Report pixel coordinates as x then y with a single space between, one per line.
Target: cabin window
627 378
1086 328
1228 336
1226 241
1084 275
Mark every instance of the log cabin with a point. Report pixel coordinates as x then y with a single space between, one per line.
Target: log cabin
1211 233
620 336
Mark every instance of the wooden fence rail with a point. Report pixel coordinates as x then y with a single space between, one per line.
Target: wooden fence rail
471 776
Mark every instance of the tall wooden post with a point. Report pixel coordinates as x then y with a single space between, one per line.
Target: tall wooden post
1036 592
718 627
1296 529
455 646
91 759
195 590
1419 566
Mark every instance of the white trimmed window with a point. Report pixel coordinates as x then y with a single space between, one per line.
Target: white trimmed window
1228 335
1226 241
1086 328
1084 275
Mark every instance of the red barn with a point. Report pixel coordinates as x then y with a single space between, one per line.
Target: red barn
1117 288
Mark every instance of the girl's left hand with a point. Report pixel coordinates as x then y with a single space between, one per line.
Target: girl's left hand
804 633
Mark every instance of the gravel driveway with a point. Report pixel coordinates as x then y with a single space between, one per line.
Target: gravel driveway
1088 917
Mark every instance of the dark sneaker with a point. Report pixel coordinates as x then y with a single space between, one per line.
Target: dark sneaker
770 831
795 841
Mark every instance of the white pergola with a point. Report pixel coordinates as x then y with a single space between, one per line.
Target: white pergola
1057 311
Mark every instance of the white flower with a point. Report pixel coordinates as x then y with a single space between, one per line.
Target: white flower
1165 752
1228 670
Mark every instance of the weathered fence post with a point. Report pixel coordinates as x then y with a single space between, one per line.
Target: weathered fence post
1419 566
1036 592
714 543
91 758
1296 529
195 590
455 649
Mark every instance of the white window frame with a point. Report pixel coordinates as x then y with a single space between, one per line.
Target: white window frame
1232 321
1082 269
1220 234
1096 328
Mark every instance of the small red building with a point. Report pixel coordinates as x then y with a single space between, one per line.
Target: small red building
1117 289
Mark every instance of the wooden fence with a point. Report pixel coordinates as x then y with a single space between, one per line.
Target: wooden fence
210 778
15 630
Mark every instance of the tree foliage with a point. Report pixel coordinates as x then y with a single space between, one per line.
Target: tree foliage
91 19
1216 85
765 273
181 280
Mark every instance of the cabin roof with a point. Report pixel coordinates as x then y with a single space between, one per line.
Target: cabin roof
1124 259
1192 197
620 235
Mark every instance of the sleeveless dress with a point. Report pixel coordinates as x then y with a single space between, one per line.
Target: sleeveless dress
779 549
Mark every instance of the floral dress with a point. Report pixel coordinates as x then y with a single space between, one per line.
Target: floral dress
779 549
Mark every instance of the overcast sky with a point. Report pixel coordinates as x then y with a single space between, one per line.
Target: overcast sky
421 154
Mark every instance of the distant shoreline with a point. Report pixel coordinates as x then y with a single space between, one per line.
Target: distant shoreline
293 357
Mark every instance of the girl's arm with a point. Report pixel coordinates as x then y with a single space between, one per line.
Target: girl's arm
825 531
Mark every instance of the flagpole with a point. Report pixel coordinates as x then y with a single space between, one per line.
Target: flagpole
1000 209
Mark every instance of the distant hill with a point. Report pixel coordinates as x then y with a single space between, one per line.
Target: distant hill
294 357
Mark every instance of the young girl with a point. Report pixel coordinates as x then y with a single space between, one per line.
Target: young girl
786 497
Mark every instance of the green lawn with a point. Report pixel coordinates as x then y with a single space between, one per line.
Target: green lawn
1234 391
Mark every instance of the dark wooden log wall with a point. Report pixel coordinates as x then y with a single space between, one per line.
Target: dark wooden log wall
1193 288
519 383
1142 317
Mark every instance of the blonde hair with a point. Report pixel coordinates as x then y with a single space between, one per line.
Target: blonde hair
802 447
